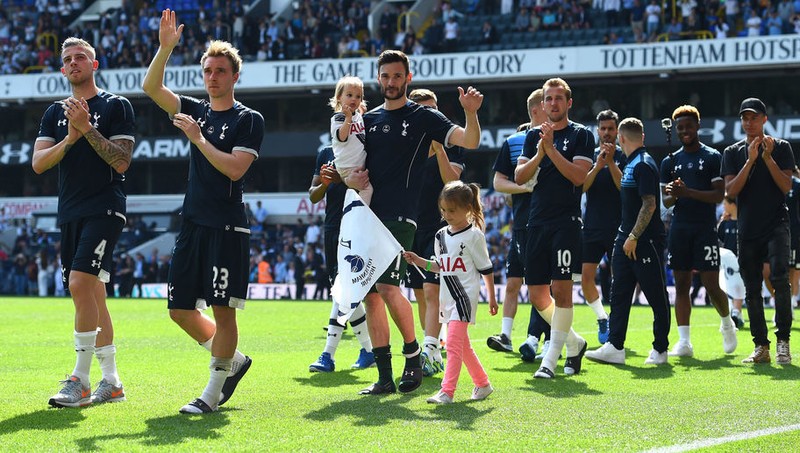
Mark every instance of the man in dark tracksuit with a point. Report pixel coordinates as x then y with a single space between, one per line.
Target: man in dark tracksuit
638 251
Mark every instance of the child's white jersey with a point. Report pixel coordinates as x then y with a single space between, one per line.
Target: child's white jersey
349 153
462 258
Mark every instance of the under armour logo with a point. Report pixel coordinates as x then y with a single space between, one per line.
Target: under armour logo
331 334
96 263
395 275
646 260
373 128
62 122
714 263
678 167
169 291
63 274
201 123
436 275
96 117
222 134
219 293
565 270
405 126
715 132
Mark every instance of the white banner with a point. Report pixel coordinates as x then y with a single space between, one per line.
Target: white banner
528 64
366 249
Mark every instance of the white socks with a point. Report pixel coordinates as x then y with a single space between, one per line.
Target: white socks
727 322
84 347
219 372
684 334
431 345
597 306
332 342
106 356
508 323
238 357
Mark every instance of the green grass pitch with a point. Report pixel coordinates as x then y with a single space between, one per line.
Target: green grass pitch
280 406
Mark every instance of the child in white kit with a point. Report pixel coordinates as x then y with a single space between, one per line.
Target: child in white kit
462 260
347 130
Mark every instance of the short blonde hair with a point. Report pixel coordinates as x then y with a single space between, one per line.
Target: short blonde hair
422 95
535 97
631 128
686 110
344 82
558 82
78 42
223 49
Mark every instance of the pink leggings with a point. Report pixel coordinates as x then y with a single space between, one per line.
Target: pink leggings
460 350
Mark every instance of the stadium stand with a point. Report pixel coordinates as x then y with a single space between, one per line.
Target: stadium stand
31 30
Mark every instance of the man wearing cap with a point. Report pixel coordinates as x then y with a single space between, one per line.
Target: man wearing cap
758 172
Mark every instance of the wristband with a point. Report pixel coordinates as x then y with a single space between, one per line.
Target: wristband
428 266
633 237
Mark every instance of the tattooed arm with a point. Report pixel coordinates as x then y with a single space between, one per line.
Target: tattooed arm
116 153
642 220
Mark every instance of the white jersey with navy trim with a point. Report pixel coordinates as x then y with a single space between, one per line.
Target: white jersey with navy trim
462 258
349 153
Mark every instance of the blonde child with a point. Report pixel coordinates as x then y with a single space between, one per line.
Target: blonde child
347 130
461 255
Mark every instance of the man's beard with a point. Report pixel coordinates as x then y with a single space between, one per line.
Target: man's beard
401 91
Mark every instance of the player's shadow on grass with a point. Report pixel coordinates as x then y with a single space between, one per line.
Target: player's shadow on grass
334 379
43 419
559 387
169 430
776 372
665 371
464 414
368 410
704 365
517 365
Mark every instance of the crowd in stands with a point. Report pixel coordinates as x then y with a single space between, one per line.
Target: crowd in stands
31 30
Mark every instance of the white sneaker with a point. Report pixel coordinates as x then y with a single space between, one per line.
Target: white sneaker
656 358
729 339
441 398
543 352
682 349
607 354
480 393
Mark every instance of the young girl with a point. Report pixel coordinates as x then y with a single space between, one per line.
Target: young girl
461 255
347 130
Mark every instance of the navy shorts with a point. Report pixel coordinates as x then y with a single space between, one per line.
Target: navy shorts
553 252
794 252
596 244
210 266
332 253
423 246
87 245
515 263
693 248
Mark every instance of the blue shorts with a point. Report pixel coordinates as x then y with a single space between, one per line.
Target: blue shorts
693 248
423 246
597 243
87 245
515 263
210 266
553 252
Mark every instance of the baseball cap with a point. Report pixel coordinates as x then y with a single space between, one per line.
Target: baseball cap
753 105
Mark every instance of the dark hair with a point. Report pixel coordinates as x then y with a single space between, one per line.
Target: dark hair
393 56
606 115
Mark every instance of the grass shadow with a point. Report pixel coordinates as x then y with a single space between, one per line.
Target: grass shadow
704 365
776 372
43 420
334 379
519 366
464 414
559 387
369 410
649 372
169 430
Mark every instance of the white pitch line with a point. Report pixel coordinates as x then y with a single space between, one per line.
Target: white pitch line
703 443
